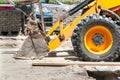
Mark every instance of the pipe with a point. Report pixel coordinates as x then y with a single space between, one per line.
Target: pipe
77 8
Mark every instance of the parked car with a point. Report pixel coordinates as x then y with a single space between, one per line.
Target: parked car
48 15
58 6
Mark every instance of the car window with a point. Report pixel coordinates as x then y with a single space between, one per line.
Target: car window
44 1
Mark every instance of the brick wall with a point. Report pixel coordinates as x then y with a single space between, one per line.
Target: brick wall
10 21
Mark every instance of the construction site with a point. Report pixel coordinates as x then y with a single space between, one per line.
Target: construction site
59 40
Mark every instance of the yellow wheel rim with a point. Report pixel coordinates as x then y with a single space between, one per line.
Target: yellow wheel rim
98 40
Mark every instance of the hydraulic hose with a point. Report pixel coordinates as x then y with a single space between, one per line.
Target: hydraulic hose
77 8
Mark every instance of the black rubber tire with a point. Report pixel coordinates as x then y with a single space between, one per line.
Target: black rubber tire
79 33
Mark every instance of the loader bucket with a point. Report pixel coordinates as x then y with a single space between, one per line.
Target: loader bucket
35 45
30 50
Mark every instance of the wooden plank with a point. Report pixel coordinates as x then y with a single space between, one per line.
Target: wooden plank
44 63
69 60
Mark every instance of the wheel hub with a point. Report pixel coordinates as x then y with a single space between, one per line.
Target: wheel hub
98 39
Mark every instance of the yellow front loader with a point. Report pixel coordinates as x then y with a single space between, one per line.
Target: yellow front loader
95 34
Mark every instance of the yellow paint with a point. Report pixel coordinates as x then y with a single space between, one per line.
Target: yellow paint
108 4
61 28
53 28
103 47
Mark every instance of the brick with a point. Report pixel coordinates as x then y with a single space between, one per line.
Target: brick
10 20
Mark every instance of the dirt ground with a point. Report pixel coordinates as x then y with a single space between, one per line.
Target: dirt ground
11 69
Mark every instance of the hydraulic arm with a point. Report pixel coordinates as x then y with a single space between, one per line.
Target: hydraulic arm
66 32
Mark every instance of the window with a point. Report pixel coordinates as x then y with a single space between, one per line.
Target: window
44 1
